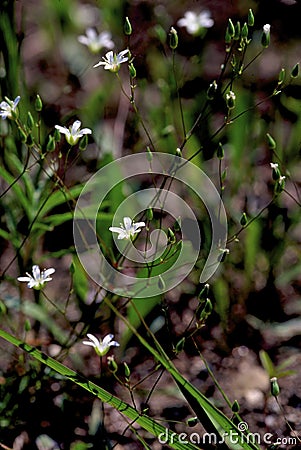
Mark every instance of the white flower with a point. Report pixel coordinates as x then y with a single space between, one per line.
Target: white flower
274 166
101 346
281 179
127 230
112 60
38 278
73 133
95 42
195 23
8 108
266 28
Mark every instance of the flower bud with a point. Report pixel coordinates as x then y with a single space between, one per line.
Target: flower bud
235 407
271 142
23 135
38 104
29 140
231 28
127 372
173 38
275 389
243 220
127 27
295 71
27 325
171 236
30 121
220 151
149 155
237 31
251 19
204 292
161 283
56 135
180 345
281 76
112 365
275 171
244 31
132 70
83 143
211 91
230 100
266 36
50 147
280 185
192 421
149 213
179 152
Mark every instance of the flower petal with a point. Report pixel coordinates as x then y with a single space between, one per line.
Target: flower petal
127 223
93 339
62 130
48 272
75 127
36 272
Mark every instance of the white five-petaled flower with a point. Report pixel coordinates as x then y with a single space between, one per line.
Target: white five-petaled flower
101 346
73 133
267 28
195 23
38 278
8 108
274 166
128 228
95 42
112 60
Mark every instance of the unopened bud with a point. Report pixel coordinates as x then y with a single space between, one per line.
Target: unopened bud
280 185
161 283
38 103
23 135
281 76
230 100
112 365
275 389
204 292
265 37
50 144
244 31
83 143
235 407
192 421
29 140
27 325
127 372
220 151
132 70
30 121
243 220
173 38
211 91
171 236
237 31
251 19
149 154
57 135
231 28
149 213
271 142
127 27
295 71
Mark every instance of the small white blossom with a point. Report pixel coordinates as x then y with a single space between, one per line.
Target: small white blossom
112 60
267 28
128 228
8 108
38 279
195 23
274 166
73 133
95 42
101 346
281 179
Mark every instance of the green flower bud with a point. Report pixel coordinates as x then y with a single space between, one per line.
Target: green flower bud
192 421
281 76
127 27
72 268
27 325
235 407
149 154
56 135
112 365
171 236
243 220
180 345
275 389
204 292
231 28
149 214
237 31
295 71
23 135
251 19
50 144
228 37
127 371
38 103
161 283
220 151
177 224
271 142
230 100
30 121
280 185
211 91
173 38
132 70
244 31
208 307
266 36
83 143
